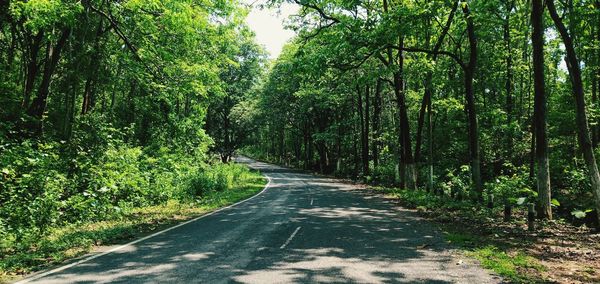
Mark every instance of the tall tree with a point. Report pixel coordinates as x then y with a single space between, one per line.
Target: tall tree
540 111
583 130
470 68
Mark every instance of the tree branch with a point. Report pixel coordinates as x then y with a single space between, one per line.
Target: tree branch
433 52
319 10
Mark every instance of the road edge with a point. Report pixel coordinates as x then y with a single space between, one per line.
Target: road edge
42 274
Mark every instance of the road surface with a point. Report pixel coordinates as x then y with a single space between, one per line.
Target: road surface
301 229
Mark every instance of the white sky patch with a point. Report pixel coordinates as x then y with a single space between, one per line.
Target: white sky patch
268 25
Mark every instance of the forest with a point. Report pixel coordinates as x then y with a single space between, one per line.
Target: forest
473 100
112 106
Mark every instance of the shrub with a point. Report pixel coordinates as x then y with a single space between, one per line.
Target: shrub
213 178
513 187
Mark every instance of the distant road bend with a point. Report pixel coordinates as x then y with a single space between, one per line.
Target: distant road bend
301 229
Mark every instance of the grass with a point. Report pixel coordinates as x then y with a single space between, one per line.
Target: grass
71 241
512 266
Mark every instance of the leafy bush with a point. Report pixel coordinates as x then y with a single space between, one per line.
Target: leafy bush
513 188
97 176
384 174
31 185
214 178
457 183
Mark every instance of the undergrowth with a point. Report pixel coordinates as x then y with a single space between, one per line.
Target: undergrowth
218 186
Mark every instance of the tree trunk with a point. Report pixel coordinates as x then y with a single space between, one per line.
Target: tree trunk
470 105
427 99
86 105
596 77
421 120
363 132
367 131
70 97
32 67
408 163
377 123
509 78
430 145
281 144
541 151
306 142
583 130
38 106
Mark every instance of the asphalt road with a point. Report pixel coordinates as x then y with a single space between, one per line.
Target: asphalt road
301 229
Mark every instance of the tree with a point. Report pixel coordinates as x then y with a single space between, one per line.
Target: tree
583 130
246 60
540 110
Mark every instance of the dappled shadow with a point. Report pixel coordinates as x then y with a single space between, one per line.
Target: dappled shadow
342 237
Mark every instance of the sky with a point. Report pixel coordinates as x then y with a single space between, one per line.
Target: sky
268 24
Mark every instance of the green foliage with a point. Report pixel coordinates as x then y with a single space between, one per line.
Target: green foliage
384 174
456 182
40 190
427 201
31 186
71 240
348 96
216 178
104 111
579 214
513 188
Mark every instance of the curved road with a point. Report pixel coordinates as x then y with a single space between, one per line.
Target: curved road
302 229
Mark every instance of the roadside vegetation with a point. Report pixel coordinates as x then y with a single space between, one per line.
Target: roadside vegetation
108 120
211 188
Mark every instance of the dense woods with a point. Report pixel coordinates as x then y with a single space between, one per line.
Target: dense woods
473 100
104 106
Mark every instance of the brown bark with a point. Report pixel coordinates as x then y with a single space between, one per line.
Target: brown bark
509 76
427 99
88 93
407 168
421 121
408 162
367 131
596 77
540 112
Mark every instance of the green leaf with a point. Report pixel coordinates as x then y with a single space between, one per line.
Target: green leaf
578 214
555 202
521 200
